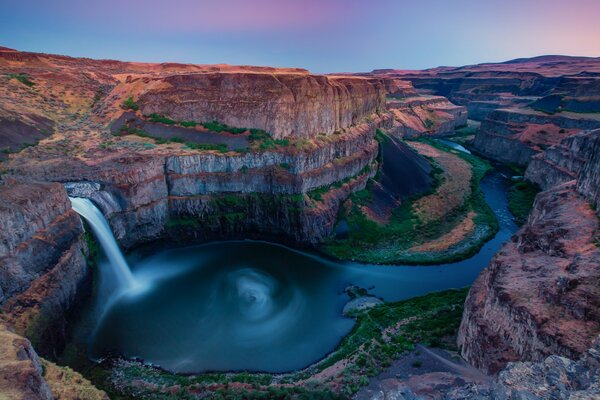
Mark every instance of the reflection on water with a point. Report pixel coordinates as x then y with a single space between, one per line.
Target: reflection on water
257 306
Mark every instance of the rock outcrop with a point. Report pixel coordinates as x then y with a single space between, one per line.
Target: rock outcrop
540 295
483 88
516 135
298 105
43 264
426 115
25 376
565 161
588 182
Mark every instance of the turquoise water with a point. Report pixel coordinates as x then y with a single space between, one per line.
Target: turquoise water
257 306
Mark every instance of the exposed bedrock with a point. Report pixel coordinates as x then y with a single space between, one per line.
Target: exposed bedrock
515 135
484 88
565 161
299 105
540 295
429 115
42 260
142 194
588 182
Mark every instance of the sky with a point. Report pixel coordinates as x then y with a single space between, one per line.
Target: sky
320 35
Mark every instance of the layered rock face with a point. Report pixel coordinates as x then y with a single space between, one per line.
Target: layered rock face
515 135
426 115
525 105
151 189
564 162
483 88
42 259
298 105
540 294
588 182
142 193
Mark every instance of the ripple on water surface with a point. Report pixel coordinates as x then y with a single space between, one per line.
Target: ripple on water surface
228 306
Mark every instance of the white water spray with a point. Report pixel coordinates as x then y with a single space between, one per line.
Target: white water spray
103 233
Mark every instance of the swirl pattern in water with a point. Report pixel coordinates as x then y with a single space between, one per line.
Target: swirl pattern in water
252 305
227 306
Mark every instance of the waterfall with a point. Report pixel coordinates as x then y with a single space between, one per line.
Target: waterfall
104 235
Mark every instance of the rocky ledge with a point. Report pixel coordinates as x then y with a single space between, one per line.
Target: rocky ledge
515 135
565 161
540 295
426 115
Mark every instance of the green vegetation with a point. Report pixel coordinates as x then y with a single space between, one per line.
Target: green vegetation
220 147
130 104
23 78
161 119
520 200
369 241
215 126
317 194
264 141
128 130
428 123
230 211
259 139
380 336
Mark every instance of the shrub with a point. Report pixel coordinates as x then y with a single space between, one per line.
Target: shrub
520 200
130 104
23 78
161 119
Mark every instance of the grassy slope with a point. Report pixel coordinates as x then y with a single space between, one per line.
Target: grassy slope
374 243
520 200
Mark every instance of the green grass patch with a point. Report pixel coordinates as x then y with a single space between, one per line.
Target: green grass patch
368 241
520 200
23 78
220 147
218 127
130 104
160 119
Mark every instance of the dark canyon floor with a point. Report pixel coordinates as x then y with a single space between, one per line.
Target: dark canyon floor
394 234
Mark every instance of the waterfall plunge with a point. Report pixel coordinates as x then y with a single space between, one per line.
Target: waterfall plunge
103 233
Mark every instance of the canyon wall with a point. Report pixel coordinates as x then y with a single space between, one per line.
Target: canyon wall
426 115
298 105
540 294
42 259
516 135
563 162
143 194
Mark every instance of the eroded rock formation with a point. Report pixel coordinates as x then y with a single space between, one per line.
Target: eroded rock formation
298 105
540 294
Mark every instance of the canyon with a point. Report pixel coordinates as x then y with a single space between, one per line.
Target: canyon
177 154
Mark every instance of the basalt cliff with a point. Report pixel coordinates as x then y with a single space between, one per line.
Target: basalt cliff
190 153
184 153
524 105
540 294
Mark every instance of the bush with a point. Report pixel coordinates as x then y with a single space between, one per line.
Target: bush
23 78
161 119
520 200
130 104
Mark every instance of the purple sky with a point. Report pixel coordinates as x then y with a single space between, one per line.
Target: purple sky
321 35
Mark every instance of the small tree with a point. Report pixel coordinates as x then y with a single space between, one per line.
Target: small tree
130 104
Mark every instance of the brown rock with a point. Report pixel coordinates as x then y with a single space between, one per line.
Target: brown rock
540 295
